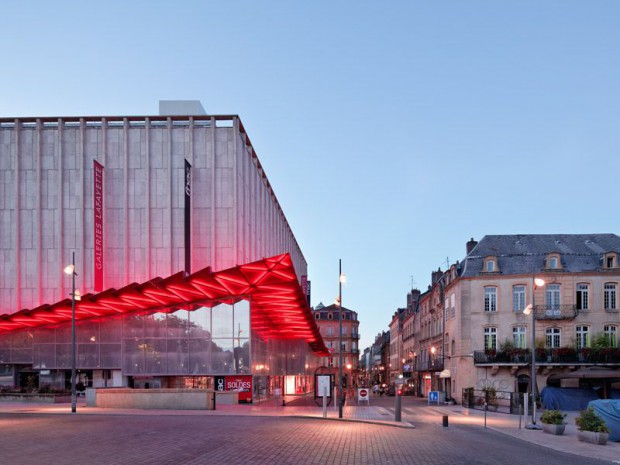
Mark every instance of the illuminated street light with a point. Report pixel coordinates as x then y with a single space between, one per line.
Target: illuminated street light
538 282
341 280
75 295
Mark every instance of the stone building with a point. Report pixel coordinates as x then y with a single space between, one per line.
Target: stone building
327 319
487 333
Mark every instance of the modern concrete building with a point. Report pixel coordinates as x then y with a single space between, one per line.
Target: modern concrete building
136 199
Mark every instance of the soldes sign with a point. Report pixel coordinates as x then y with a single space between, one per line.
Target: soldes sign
241 384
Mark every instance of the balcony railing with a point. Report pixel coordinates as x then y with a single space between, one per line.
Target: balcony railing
556 312
433 364
569 355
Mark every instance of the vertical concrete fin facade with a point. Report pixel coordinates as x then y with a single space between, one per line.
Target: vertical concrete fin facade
47 202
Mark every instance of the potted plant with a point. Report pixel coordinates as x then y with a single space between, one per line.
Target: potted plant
592 428
553 422
490 397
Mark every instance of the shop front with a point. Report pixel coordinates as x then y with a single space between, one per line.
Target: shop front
247 329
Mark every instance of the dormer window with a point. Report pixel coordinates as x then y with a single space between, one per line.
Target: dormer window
553 262
610 260
490 265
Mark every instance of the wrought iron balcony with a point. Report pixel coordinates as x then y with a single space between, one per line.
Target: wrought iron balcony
560 355
556 312
431 364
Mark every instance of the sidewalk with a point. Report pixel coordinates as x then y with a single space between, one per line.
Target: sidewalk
509 424
457 415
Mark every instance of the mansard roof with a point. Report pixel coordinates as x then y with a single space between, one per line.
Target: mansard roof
526 253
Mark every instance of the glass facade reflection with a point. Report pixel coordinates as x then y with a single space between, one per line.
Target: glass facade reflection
185 347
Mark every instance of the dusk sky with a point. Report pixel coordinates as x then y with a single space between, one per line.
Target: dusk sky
391 132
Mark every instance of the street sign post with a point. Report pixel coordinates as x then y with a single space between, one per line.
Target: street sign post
363 395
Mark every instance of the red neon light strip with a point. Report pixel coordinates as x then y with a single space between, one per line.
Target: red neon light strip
279 307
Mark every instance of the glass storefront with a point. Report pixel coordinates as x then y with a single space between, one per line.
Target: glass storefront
179 348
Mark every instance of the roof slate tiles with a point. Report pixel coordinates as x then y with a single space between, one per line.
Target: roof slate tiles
527 253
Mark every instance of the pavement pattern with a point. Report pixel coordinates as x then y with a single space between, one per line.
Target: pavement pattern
270 433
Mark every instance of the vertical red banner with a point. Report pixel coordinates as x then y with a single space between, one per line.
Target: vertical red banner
98 225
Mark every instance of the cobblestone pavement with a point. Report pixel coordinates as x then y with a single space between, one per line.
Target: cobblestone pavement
261 435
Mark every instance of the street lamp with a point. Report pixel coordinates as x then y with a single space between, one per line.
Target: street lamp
537 282
75 295
341 279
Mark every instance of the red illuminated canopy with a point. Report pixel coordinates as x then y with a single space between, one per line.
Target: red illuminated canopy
279 309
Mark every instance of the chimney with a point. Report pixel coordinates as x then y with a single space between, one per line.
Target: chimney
412 297
470 245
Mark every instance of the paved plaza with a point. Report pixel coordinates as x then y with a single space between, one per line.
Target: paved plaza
276 434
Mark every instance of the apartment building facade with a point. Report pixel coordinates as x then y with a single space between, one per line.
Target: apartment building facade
488 331
328 321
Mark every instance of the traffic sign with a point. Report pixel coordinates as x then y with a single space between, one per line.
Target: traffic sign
363 395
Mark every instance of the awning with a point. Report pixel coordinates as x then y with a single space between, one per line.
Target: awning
588 373
445 373
279 308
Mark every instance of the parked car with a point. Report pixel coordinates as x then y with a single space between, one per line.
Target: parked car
391 390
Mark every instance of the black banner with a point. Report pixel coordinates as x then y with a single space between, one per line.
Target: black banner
188 217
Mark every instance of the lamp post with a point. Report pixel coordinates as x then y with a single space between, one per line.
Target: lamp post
341 279
75 295
537 282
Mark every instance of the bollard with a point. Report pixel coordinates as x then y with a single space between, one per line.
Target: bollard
445 421
397 408
324 402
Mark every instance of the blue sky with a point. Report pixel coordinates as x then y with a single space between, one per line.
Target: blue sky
392 132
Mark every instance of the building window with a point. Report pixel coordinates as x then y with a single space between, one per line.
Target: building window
553 297
490 265
611 332
582 336
610 260
518 298
490 338
329 316
330 331
490 299
553 262
453 305
582 298
518 337
553 338
609 300
330 362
